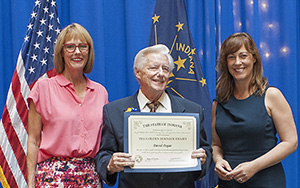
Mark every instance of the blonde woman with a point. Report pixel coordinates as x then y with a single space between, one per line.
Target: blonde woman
65 117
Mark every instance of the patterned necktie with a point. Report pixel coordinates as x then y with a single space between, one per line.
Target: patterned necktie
153 106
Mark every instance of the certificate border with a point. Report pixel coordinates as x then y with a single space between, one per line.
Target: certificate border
126 117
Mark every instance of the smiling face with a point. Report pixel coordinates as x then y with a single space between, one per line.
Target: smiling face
240 65
153 77
75 61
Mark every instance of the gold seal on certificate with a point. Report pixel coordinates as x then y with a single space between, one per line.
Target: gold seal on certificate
162 141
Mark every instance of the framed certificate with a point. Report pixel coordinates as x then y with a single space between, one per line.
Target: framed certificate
161 142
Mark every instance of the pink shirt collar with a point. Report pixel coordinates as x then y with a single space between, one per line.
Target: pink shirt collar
62 81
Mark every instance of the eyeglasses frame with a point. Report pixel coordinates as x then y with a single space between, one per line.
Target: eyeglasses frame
76 46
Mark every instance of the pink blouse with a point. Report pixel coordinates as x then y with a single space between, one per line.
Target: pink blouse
71 127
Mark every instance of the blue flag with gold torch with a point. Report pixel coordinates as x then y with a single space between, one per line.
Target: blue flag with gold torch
170 27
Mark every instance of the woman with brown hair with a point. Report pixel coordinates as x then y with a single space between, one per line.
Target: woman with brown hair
246 116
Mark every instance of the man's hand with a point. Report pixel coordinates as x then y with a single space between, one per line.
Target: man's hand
199 153
118 161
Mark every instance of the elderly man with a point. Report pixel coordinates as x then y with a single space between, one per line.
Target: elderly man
152 67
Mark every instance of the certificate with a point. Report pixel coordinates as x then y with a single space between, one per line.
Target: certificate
161 142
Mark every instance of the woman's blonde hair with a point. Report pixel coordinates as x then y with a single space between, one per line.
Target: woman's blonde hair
232 44
73 31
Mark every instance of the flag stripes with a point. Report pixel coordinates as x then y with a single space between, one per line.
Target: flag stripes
35 60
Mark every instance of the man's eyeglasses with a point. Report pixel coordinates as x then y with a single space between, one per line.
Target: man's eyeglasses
83 47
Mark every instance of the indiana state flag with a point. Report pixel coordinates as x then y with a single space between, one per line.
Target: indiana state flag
170 27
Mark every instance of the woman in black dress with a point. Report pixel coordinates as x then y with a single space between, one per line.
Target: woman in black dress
246 116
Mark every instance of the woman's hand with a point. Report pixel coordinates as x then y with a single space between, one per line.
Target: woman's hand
243 172
223 169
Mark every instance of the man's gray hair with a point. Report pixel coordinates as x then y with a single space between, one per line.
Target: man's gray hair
141 59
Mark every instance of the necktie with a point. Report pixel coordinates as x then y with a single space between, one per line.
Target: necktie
153 106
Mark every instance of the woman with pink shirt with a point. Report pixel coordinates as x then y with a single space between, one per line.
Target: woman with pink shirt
65 117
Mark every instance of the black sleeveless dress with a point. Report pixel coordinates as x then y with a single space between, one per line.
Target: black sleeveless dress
246 132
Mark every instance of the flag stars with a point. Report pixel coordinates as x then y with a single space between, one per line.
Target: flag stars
37 3
179 26
53 3
46 10
39 33
155 18
36 45
34 57
57 31
43 22
42 31
50 27
51 16
180 63
29 26
33 15
46 50
31 70
44 61
203 81
26 39
193 51
48 38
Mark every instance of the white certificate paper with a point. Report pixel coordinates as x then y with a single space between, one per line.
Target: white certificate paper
162 142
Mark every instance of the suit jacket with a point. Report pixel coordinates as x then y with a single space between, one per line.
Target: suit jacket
112 141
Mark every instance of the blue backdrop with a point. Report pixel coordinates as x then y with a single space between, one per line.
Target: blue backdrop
121 28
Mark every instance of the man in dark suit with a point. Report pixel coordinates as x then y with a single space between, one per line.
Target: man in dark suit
152 66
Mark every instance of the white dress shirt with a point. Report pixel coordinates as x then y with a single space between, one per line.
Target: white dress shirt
164 101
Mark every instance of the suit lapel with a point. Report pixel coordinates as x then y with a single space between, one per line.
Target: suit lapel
132 102
176 104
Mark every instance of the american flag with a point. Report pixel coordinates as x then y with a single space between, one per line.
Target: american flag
35 60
